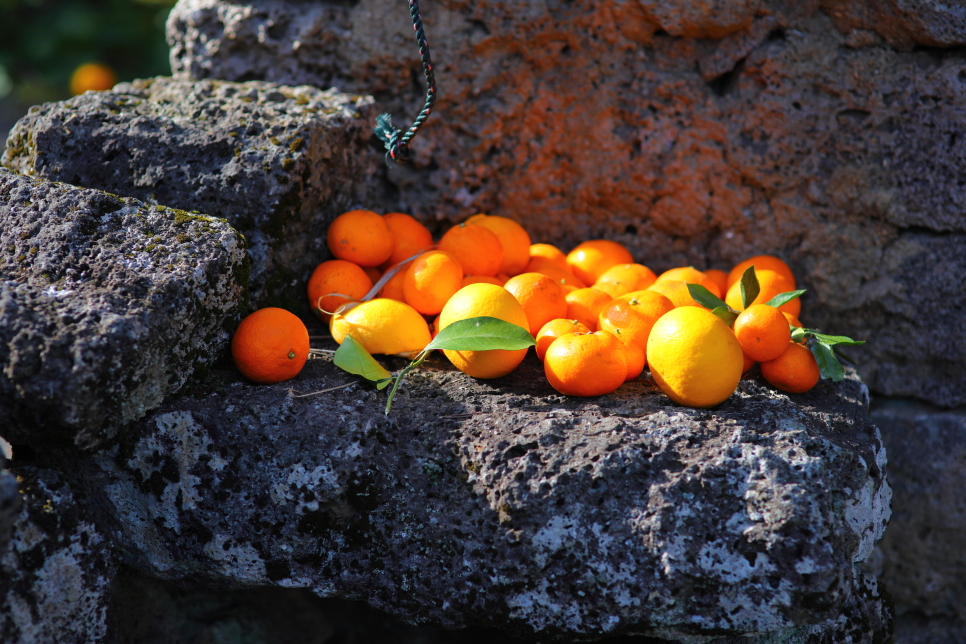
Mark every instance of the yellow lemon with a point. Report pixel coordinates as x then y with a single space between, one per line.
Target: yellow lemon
694 357
478 300
383 326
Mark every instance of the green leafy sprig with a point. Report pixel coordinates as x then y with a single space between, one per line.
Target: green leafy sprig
824 347
471 334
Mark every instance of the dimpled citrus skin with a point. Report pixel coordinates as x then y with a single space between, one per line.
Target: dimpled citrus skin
589 259
270 345
586 364
513 238
361 237
694 357
383 326
484 300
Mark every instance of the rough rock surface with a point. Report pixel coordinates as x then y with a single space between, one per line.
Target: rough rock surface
924 550
501 504
581 119
57 570
279 163
106 306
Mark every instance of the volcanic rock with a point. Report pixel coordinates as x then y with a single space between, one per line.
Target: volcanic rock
503 505
107 305
279 163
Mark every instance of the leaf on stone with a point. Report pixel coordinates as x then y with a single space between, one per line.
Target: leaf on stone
749 287
705 298
353 358
727 315
481 334
784 298
828 365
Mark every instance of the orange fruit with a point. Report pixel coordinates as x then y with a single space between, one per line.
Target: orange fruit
383 326
762 262
336 276
478 300
762 332
408 236
542 299
513 238
270 345
590 259
792 320
563 278
635 276
92 76
547 254
770 284
586 364
749 363
584 305
690 275
719 277
634 315
634 354
694 357
431 279
553 330
614 289
794 371
373 272
393 289
478 249
674 290
481 279
360 236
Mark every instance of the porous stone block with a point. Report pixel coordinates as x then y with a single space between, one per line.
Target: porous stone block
629 121
56 572
500 504
279 163
924 550
107 305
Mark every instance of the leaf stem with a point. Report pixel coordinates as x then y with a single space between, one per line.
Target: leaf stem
402 374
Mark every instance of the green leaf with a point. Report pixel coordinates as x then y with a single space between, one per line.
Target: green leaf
481 334
828 364
798 334
706 298
727 315
835 339
353 357
784 298
749 287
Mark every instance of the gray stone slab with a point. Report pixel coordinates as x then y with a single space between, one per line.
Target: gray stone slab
279 163
107 306
503 505
924 550
57 570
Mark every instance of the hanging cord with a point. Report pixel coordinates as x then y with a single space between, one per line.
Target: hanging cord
397 143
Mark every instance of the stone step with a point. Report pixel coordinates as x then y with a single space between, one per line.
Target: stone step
107 306
279 163
503 505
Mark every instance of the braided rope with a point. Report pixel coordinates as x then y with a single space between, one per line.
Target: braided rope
397 143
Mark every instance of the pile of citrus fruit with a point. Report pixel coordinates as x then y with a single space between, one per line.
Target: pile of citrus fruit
597 318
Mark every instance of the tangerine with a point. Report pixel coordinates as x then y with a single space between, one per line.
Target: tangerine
634 314
762 332
481 279
636 276
408 236
690 275
795 371
584 305
514 240
590 259
674 290
549 254
431 280
719 277
770 284
761 262
270 345
553 330
542 298
335 282
92 77
477 247
586 364
361 237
